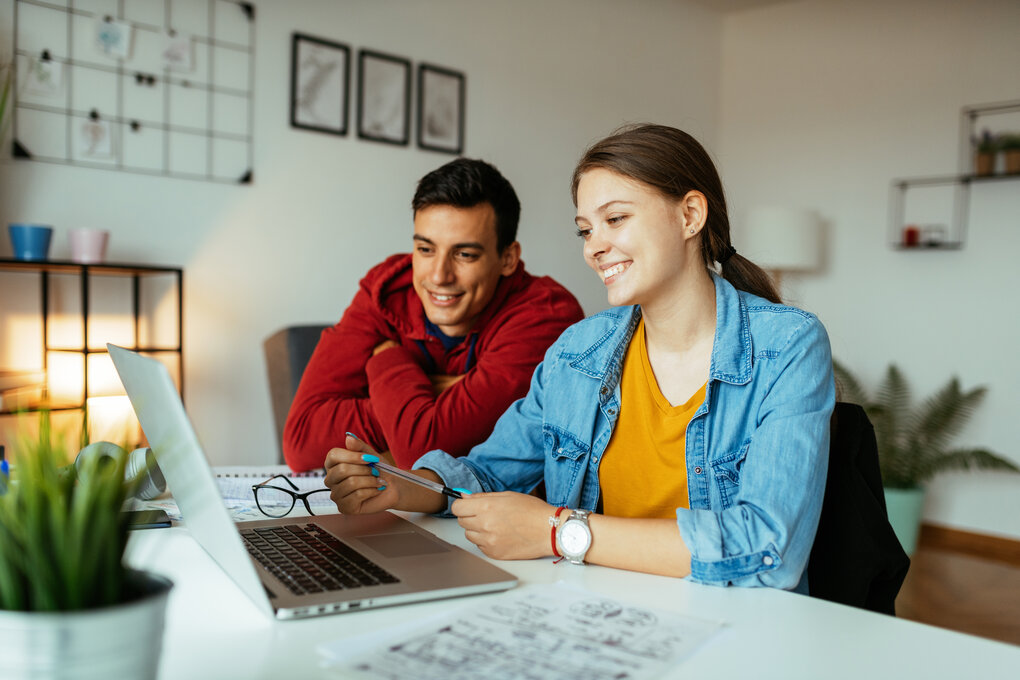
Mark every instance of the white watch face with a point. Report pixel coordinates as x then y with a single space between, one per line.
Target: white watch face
574 538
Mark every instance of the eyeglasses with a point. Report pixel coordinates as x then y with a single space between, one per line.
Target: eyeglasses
275 500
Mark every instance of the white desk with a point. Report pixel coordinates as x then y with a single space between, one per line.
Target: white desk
214 631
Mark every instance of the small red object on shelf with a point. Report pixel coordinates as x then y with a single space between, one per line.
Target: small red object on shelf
911 235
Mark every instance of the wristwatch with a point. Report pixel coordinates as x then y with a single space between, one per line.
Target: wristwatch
573 539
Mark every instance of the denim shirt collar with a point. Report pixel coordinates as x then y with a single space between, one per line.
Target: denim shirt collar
731 349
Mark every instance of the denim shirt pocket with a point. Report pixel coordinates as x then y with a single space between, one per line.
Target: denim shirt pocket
565 460
726 470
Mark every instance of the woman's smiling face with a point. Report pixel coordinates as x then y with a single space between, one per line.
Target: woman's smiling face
633 236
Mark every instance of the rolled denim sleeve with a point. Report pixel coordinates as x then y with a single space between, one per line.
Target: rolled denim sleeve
511 459
763 535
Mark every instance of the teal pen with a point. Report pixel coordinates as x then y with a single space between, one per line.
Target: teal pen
404 474
415 479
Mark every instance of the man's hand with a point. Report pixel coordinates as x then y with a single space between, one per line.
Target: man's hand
506 525
385 345
441 383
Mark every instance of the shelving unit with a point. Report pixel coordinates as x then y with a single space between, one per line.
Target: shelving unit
955 234
137 274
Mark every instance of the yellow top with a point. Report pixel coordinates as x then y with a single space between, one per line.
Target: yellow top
643 472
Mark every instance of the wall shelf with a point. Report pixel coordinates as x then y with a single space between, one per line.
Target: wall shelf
136 276
953 235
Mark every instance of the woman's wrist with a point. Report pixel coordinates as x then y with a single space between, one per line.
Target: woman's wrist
555 520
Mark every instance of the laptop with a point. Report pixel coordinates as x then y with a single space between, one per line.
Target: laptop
296 567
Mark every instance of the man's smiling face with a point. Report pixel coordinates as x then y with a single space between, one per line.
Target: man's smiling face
457 265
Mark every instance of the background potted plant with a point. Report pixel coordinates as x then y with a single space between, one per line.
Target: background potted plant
915 444
69 607
1010 145
5 93
985 149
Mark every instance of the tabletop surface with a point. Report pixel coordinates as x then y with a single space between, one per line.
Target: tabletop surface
213 630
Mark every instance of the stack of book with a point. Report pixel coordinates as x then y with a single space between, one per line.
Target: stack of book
20 390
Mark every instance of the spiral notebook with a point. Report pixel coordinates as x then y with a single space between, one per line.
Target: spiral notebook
235 481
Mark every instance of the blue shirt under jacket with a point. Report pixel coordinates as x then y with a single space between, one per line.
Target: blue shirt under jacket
757 448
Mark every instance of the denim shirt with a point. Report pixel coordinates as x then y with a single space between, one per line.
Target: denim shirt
757 448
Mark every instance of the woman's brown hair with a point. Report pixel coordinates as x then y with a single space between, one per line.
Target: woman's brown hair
674 163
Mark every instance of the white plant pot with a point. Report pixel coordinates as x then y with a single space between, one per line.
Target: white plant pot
904 509
122 641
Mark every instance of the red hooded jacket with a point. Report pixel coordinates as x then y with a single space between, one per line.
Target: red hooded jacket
387 399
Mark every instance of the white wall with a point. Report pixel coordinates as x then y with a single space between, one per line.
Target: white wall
544 79
815 104
823 102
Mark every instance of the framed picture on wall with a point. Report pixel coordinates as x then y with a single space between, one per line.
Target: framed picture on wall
319 84
440 109
384 97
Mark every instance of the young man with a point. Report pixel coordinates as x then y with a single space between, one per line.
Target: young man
438 343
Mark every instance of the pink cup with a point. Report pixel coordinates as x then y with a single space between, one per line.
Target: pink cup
88 246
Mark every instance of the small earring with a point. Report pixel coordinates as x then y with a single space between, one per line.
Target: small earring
692 231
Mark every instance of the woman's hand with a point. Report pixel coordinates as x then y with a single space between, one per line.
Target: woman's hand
354 486
506 525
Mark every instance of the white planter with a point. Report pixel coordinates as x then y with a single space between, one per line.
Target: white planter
123 641
904 509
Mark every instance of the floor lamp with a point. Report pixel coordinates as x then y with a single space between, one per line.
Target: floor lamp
780 239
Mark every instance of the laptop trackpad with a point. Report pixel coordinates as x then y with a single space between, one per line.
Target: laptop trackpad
402 544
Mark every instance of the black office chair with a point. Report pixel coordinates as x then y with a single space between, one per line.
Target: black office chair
856 558
287 353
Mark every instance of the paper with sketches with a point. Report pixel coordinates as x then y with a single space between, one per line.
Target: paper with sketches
540 631
178 51
96 139
113 38
44 78
240 511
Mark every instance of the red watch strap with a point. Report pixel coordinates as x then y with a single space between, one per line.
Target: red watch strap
553 537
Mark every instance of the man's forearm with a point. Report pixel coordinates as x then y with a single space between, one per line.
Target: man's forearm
313 429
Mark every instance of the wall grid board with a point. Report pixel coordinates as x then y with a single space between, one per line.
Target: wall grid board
158 88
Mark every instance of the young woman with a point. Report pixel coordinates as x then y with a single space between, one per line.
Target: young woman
684 431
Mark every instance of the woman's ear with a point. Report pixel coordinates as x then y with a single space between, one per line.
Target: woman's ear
693 209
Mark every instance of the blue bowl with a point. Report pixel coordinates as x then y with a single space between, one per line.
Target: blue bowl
30 241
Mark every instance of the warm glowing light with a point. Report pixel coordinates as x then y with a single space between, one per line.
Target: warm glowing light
65 375
112 419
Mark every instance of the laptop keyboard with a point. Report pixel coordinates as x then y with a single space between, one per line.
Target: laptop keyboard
309 560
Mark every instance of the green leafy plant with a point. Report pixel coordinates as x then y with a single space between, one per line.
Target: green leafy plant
914 444
986 142
1009 141
6 78
62 533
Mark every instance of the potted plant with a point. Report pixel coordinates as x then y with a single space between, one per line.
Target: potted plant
5 93
915 443
69 607
985 147
1010 145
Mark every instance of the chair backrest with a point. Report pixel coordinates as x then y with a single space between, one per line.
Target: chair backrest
287 353
856 558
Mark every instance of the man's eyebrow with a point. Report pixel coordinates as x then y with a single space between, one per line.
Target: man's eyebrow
603 207
467 244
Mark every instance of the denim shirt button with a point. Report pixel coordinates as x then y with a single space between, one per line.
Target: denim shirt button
697 470
604 390
611 411
767 560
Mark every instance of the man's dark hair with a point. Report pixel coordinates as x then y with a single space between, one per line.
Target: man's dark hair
465 183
